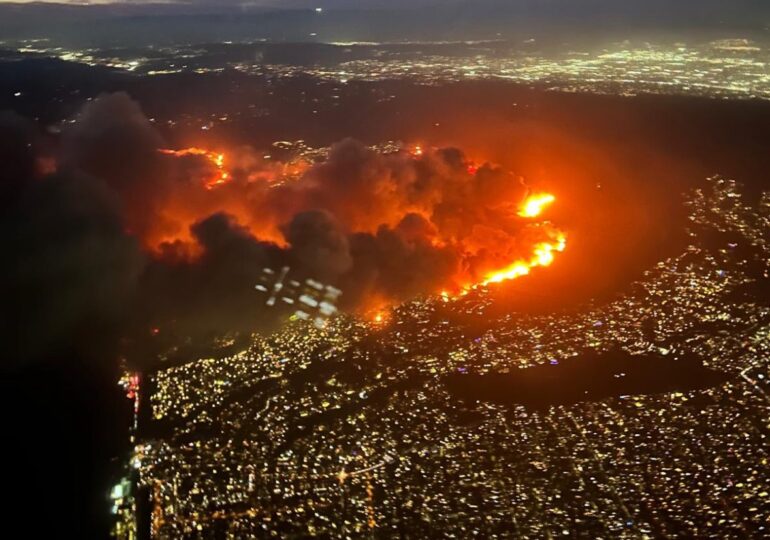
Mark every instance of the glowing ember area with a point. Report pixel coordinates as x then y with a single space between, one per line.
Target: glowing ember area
349 213
543 253
535 204
220 177
543 256
379 317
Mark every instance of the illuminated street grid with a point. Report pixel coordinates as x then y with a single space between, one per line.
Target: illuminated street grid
734 68
350 431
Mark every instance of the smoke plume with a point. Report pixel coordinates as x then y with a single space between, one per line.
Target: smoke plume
130 234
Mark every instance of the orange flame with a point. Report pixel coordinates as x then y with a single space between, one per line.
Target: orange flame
549 241
216 159
535 204
543 253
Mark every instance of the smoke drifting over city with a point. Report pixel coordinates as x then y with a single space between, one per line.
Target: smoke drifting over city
165 240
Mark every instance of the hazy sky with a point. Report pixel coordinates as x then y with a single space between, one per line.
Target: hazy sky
733 14
589 4
695 5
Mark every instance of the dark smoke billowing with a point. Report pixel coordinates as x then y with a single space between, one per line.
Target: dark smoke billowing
123 238
73 269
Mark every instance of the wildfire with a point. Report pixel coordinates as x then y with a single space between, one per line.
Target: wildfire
543 253
215 158
489 254
380 317
535 204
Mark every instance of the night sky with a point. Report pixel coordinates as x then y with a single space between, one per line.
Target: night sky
715 7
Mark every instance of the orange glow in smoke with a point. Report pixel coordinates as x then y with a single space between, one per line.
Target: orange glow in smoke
379 316
535 204
543 255
496 256
215 158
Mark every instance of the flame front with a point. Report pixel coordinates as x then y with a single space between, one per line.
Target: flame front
543 253
494 252
216 159
535 204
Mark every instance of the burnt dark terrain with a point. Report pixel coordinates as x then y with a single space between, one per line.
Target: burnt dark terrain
589 376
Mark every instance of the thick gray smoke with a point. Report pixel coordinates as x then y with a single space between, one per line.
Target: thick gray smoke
125 237
72 269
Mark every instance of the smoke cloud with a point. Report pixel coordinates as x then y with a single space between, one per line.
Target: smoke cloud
135 238
73 268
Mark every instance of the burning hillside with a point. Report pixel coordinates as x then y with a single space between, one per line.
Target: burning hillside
461 224
194 228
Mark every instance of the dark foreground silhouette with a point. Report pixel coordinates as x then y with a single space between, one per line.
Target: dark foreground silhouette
589 376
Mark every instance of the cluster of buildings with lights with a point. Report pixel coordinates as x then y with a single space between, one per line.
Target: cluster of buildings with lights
732 68
357 429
